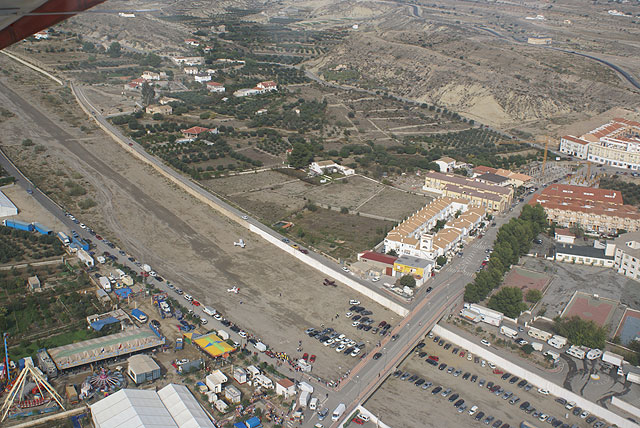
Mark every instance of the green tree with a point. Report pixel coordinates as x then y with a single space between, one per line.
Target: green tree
533 296
441 260
527 349
581 332
148 94
508 301
300 156
115 50
392 252
408 281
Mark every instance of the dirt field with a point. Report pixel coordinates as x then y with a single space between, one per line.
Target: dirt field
29 209
187 242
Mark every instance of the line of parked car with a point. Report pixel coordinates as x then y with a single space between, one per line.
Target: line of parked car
339 341
359 316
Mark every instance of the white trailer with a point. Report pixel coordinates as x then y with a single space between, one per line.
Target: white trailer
537 346
471 315
253 371
303 399
105 283
539 334
263 381
633 377
304 386
611 358
85 258
554 355
557 342
489 316
223 334
509 332
576 352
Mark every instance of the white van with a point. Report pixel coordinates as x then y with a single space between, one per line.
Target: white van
473 410
338 412
209 311
313 404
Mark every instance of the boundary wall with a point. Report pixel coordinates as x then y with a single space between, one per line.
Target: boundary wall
625 406
535 379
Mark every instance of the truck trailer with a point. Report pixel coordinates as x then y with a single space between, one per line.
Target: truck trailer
42 229
303 399
509 332
64 238
19 225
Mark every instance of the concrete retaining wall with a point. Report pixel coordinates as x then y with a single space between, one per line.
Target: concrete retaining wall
537 380
625 406
332 273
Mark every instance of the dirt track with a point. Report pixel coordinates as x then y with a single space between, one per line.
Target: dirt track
184 240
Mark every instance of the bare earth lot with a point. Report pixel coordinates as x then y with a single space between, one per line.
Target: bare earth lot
185 241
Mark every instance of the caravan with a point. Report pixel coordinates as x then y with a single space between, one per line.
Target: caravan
576 352
539 334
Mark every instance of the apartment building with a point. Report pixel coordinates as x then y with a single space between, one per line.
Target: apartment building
413 238
595 210
627 255
616 143
490 197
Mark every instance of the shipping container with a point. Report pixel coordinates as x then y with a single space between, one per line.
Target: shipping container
64 238
42 229
17 224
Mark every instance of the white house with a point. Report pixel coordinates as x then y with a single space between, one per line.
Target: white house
201 78
246 92
268 85
150 75
446 164
286 388
192 42
329 167
215 87
215 380
564 236
191 70
41 35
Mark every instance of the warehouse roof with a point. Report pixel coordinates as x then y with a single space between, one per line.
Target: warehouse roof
5 202
89 351
583 251
142 363
172 407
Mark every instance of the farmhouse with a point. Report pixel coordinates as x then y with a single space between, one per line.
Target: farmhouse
329 167
197 131
215 87
162 109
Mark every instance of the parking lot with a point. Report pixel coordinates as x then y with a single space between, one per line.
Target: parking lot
403 403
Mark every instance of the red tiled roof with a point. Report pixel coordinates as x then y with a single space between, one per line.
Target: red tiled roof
214 84
481 169
378 257
581 193
564 232
285 382
575 139
197 130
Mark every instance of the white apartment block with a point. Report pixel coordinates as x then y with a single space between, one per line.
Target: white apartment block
627 255
616 144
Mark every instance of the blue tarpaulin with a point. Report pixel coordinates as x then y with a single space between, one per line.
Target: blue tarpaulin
123 293
97 325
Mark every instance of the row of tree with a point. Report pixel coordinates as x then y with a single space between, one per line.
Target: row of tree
513 241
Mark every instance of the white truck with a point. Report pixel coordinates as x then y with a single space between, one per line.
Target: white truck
338 412
260 346
105 283
209 311
146 268
303 399
223 334
633 377
313 403
611 358
509 332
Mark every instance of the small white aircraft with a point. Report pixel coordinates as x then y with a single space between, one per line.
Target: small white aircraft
233 290
240 243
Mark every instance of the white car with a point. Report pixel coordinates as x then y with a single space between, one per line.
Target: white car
182 361
375 279
348 314
355 323
203 320
543 391
188 297
341 348
218 317
363 417
354 302
245 217
485 342
328 342
355 352
153 274
82 225
469 356
492 366
242 334
344 268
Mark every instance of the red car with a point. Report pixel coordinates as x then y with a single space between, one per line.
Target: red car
99 238
434 358
358 421
195 303
312 359
144 274
497 371
461 354
382 324
305 356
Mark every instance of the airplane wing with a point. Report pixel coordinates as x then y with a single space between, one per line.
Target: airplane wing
20 19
